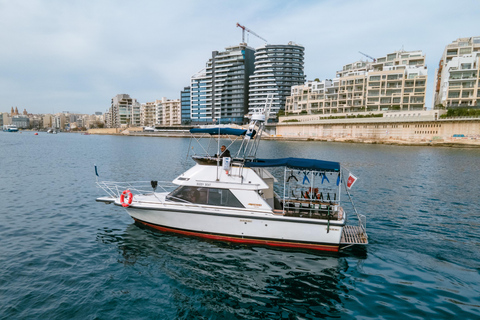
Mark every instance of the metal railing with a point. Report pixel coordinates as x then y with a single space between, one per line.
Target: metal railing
114 189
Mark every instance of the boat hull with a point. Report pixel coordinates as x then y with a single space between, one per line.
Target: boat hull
253 228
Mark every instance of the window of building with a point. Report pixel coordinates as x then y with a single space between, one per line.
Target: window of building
391 57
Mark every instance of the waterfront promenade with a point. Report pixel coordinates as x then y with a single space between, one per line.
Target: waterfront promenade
457 132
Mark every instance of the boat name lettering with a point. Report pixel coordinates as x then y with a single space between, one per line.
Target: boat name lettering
334 229
243 220
255 204
203 184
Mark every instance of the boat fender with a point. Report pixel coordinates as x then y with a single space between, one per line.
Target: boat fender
154 184
128 201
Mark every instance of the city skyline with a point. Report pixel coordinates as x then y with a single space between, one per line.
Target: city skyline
68 56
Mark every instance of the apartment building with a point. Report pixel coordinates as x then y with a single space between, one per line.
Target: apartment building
148 112
277 69
21 121
396 81
168 112
458 75
47 120
59 121
124 112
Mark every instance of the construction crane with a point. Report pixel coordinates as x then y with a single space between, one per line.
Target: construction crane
366 55
249 31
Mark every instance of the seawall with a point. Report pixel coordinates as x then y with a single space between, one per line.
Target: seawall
442 132
447 132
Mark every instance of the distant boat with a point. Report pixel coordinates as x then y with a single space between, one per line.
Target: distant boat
51 131
10 128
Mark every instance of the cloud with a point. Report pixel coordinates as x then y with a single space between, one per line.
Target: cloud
77 55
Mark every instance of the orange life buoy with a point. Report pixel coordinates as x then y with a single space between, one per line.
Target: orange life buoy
129 198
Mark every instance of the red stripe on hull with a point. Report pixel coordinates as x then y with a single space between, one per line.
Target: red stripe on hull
273 243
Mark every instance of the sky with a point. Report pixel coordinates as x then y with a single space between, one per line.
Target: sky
75 56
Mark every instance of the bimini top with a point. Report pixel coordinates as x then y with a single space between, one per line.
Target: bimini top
222 131
296 163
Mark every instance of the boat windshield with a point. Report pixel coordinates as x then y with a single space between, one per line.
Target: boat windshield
202 195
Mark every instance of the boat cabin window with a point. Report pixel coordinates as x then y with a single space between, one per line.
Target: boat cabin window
202 195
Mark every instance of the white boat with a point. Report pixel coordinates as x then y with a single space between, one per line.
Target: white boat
238 199
10 128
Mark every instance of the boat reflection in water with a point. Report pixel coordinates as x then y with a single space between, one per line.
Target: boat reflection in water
236 200
248 280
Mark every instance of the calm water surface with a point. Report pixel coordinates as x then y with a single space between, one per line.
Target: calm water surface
64 256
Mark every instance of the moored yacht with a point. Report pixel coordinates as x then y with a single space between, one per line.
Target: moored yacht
238 199
10 128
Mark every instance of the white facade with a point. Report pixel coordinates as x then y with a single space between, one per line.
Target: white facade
148 113
458 75
394 82
168 112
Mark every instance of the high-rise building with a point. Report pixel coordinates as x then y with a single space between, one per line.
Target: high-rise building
200 113
124 112
185 105
394 82
224 84
458 75
277 69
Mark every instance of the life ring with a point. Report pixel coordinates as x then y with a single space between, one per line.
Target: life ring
129 198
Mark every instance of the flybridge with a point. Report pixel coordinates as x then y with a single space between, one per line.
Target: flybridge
296 163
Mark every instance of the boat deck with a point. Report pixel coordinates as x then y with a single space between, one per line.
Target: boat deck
353 235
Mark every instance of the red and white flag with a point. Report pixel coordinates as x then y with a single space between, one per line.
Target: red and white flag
351 180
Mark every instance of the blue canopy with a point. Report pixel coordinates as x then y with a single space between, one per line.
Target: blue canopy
216 131
296 163
224 131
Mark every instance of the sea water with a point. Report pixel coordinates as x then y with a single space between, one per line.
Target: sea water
65 256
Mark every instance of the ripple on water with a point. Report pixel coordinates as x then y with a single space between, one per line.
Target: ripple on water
65 256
